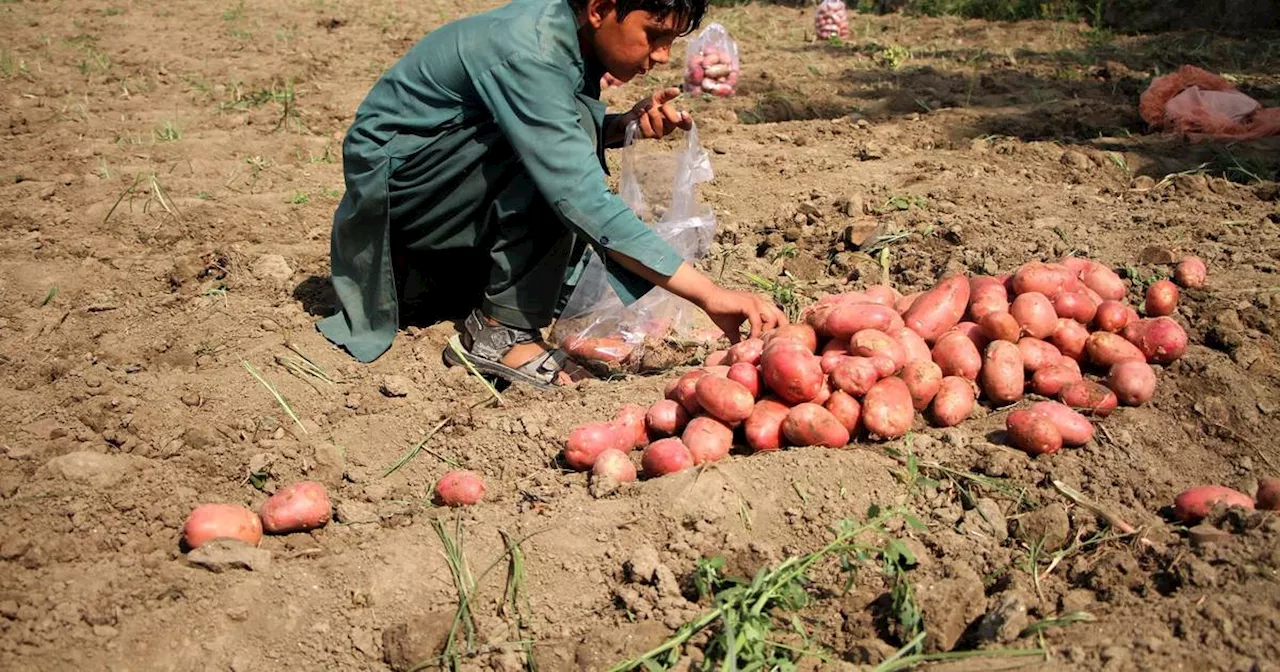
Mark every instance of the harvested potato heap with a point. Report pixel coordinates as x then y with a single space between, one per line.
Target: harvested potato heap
831 20
711 63
865 363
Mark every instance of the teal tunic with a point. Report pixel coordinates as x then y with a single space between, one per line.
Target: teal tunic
485 136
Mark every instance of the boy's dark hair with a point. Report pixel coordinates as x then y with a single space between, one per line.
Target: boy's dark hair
688 13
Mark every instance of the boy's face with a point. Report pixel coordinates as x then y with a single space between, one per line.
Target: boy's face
634 45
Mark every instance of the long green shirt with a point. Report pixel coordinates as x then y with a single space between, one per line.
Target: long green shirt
519 67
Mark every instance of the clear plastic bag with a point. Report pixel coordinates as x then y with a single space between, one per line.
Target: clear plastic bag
594 327
711 63
831 20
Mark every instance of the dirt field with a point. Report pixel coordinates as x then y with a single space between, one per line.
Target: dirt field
168 180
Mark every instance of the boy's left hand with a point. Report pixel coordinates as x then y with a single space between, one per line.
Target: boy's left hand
657 116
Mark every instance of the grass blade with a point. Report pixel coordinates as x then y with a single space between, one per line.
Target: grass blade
275 393
419 447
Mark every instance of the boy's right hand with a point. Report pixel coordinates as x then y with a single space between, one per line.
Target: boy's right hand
656 115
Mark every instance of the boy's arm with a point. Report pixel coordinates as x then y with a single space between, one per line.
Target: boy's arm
727 308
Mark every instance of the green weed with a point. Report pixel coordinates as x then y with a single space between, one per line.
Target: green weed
299 198
168 132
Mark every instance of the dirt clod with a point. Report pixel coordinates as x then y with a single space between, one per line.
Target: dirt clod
222 555
1048 526
408 644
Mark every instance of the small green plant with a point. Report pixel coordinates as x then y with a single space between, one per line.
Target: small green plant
113 11
6 64
331 193
746 613
784 293
168 132
1141 280
899 203
204 196
234 13
299 198
893 57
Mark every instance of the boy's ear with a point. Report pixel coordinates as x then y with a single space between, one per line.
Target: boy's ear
599 10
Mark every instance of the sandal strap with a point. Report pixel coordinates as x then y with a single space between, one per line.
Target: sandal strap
493 341
546 366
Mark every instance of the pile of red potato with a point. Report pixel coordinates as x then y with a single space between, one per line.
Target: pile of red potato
866 362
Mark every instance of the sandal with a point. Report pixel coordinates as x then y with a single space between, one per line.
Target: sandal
484 345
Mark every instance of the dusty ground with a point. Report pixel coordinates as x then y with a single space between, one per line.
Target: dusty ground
169 175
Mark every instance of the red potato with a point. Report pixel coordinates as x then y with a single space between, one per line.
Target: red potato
747 375
904 304
792 372
882 294
1069 338
666 418
1111 316
1106 349
719 371
1191 273
716 358
986 295
1089 398
707 439
855 375
764 428
800 333
1133 382
1003 374
1269 494
208 522
685 392
1193 504
1034 314
1104 281
1069 363
1033 433
823 394
847 320
846 409
616 465
1076 306
887 410
816 316
725 400
1077 264
1000 327
297 507
1049 381
834 345
586 442
1075 429
461 488
813 425
972 331
956 355
1045 279
1162 298
885 366
831 360
666 456
938 309
954 401
632 417
1037 354
875 343
611 350
1161 340
915 348
746 352
923 380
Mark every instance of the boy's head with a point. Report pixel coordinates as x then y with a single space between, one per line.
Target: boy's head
629 37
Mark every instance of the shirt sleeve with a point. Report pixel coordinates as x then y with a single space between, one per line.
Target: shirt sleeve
527 97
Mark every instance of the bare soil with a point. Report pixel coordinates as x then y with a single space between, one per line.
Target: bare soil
169 175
